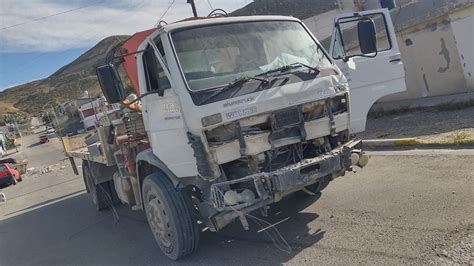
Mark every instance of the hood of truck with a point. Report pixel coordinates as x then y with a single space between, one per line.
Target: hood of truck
266 101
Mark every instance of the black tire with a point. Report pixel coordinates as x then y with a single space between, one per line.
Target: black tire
100 194
171 216
319 186
13 181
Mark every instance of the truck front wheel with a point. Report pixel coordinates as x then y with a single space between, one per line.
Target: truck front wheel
171 217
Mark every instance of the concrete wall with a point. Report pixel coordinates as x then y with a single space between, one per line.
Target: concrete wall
462 23
432 62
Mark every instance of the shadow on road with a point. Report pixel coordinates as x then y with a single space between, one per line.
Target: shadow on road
34 144
9 153
79 235
45 202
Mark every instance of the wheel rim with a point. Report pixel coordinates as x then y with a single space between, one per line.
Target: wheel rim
159 221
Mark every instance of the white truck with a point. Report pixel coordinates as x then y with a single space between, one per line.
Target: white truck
230 115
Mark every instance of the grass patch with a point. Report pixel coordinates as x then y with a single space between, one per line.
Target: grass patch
459 137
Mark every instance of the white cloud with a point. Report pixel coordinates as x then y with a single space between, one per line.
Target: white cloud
85 27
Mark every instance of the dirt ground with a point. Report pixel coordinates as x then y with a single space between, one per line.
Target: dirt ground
427 124
405 207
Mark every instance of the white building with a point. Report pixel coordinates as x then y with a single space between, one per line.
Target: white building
92 112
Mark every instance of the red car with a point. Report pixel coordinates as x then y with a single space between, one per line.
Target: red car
8 175
43 138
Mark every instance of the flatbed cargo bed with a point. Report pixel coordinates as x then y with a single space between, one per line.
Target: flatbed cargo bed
76 147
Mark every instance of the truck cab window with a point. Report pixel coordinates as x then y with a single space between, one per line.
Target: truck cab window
346 41
338 48
159 45
154 73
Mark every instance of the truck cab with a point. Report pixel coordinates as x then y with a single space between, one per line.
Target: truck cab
229 115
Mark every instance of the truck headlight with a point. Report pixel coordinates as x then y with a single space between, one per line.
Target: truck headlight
211 120
314 110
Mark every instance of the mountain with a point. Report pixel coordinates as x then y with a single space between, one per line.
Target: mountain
65 84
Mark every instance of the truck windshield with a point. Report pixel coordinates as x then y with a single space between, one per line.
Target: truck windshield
214 55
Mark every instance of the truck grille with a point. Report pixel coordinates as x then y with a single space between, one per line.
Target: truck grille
286 118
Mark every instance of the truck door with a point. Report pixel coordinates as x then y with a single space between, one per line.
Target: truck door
162 113
373 70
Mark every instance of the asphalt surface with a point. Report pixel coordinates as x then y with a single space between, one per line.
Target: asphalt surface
38 154
407 207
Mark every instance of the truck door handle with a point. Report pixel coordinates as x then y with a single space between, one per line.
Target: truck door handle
395 60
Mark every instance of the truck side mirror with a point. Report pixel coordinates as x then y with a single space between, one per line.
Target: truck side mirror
367 36
110 83
356 35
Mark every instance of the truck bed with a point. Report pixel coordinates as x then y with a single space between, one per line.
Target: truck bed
99 151
84 154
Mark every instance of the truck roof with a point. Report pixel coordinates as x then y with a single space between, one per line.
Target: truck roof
193 22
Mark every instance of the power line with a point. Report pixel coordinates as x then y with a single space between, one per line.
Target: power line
46 54
210 5
166 11
52 15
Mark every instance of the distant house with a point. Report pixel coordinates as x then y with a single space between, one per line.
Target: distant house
91 112
72 107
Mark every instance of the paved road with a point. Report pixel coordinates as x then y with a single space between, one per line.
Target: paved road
37 154
404 207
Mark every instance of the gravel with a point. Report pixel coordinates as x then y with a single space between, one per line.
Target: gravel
421 123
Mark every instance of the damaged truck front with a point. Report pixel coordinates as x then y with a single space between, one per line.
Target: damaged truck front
237 113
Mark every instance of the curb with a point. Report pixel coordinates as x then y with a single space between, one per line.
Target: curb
412 143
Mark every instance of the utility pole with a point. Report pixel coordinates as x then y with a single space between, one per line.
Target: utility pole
55 117
193 6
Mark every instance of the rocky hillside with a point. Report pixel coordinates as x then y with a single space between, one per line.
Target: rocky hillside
67 83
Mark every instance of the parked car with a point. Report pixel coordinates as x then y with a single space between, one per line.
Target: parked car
50 130
43 138
8 175
8 160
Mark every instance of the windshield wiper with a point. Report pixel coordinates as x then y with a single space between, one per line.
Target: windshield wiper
289 67
236 82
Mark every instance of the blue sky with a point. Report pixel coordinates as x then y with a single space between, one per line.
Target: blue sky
18 68
37 37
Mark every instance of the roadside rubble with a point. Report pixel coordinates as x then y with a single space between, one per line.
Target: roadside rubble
461 253
3 198
38 171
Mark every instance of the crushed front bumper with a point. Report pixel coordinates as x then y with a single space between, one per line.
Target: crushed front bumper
273 186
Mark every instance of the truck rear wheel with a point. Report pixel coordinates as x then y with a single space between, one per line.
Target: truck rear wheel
171 217
100 194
